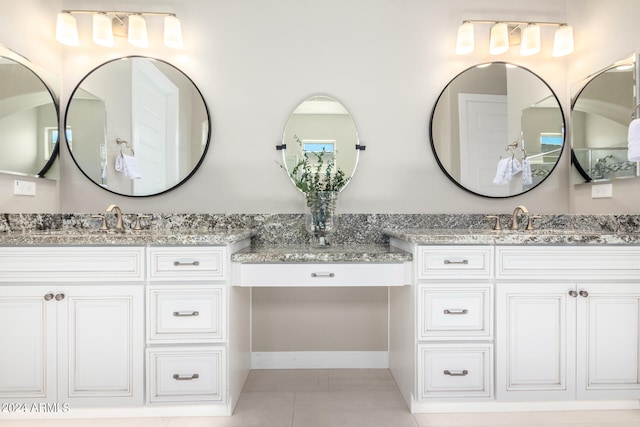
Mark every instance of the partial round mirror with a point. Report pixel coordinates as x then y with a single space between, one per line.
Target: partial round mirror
28 121
600 117
137 126
321 124
497 130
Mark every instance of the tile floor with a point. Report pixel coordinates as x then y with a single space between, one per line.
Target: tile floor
343 398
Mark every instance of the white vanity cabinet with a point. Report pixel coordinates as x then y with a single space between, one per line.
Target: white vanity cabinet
568 323
71 329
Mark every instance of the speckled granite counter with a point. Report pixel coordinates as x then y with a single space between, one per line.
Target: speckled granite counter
130 238
334 254
509 237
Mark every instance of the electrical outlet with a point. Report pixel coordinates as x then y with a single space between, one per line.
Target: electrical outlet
24 188
601 191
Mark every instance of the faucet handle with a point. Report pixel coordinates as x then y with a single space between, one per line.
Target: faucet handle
137 225
497 225
103 225
530 223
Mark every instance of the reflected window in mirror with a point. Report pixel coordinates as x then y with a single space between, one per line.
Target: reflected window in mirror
137 126
321 125
497 130
601 112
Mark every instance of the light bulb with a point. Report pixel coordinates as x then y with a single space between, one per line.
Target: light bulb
530 44
465 42
563 41
102 32
499 39
66 29
172 32
138 31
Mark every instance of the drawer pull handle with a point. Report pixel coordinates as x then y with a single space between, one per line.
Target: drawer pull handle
186 313
463 262
323 275
178 377
456 311
573 293
183 264
48 297
584 294
59 297
456 374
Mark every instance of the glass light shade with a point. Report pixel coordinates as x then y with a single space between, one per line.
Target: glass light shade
66 29
530 44
563 41
138 31
172 32
499 39
102 32
465 42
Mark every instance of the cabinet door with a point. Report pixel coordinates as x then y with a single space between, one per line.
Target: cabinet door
101 345
608 341
28 342
535 342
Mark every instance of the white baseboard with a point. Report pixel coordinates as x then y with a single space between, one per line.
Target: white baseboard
320 360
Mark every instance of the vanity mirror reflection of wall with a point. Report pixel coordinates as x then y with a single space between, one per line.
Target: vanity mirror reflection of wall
497 130
28 119
137 126
321 123
601 112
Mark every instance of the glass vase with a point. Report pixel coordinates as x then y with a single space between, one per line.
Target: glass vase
321 218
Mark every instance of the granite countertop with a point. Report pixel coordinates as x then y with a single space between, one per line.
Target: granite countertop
511 237
86 237
358 253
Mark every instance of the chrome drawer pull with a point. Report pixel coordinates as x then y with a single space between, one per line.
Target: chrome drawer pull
456 374
186 313
456 311
323 275
182 264
464 262
178 377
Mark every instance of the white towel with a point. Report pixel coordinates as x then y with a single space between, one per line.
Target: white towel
128 165
634 141
527 178
501 174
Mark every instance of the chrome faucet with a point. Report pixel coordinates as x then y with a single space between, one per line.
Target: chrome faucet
119 225
514 221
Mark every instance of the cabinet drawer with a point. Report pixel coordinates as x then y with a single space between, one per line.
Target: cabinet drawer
317 274
187 313
193 263
186 374
454 262
569 262
455 371
71 264
455 312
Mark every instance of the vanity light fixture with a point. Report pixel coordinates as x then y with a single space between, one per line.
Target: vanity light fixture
504 34
106 24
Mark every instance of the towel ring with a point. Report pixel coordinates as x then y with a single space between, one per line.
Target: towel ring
633 113
120 141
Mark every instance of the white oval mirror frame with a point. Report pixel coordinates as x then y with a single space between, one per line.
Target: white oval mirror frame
137 126
321 123
497 130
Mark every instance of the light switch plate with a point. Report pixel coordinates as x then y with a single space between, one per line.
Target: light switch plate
601 191
24 188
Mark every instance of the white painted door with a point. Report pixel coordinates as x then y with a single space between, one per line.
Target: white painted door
483 138
608 341
101 346
154 115
535 342
28 344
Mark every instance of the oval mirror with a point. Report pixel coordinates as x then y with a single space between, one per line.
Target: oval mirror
321 124
600 115
28 121
497 130
137 126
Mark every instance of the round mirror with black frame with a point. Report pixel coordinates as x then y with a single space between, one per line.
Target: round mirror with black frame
601 111
497 130
137 126
28 119
321 124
